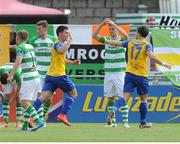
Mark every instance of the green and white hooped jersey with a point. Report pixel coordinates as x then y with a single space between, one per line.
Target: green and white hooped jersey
28 64
115 60
42 48
8 68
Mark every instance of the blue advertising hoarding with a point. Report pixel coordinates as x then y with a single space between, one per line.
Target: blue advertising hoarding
90 106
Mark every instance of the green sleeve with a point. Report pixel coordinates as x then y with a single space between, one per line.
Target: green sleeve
32 40
101 39
19 50
19 47
1 71
28 41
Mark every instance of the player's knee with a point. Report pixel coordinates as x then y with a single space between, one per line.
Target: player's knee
143 98
45 95
127 95
73 93
111 99
25 103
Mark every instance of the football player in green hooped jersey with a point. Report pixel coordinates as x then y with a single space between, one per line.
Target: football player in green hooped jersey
114 68
25 57
7 89
43 43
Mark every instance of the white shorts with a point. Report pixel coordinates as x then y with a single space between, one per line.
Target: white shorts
41 84
8 88
29 89
113 84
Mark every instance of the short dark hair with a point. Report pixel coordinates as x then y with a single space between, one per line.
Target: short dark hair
3 78
22 34
60 29
42 23
143 31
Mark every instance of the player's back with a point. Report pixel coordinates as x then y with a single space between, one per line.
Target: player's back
8 68
28 65
137 57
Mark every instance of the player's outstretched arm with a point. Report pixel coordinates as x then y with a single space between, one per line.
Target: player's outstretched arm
153 57
95 34
73 62
12 47
119 29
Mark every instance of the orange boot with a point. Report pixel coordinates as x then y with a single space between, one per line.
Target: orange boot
63 118
18 125
4 125
31 123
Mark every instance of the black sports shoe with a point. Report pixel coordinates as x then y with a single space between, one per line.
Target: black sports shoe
109 118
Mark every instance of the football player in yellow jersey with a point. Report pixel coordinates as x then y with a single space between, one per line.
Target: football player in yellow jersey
56 76
136 71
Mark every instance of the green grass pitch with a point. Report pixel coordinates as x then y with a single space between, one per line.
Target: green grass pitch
93 132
